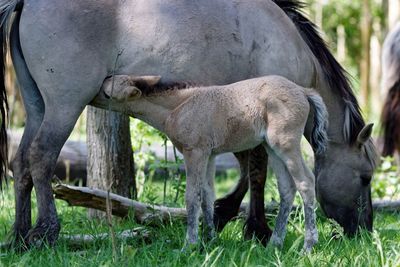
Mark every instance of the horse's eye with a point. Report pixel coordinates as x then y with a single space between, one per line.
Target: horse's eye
366 179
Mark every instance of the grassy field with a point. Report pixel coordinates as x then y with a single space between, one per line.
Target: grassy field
163 247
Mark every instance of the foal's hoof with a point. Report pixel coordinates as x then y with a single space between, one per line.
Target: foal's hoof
258 229
43 234
224 211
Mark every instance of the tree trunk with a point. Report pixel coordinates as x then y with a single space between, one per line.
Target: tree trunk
393 12
114 163
365 56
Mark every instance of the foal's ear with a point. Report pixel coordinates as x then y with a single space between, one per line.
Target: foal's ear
148 81
364 134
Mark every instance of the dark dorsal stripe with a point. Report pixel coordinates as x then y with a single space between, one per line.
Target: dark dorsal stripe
336 76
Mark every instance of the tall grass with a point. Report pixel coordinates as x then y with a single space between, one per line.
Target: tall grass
163 248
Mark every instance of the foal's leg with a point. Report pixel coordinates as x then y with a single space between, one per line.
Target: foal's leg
43 155
287 191
227 207
208 197
306 188
256 224
305 184
196 168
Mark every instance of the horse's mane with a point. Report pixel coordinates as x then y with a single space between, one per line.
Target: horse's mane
335 75
391 121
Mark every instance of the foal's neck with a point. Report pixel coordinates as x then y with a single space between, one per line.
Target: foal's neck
155 108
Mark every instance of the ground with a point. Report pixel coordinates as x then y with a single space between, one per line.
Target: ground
163 248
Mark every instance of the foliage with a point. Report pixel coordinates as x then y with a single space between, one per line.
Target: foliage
385 183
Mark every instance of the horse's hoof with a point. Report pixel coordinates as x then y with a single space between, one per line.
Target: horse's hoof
258 229
224 211
43 234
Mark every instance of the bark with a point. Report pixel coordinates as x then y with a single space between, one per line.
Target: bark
109 153
365 56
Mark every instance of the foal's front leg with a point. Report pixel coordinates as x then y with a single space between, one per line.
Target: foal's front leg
196 166
208 197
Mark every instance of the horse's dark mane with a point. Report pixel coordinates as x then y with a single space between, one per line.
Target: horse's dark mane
335 75
391 121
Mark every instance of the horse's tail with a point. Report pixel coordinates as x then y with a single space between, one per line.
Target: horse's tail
334 74
390 119
319 135
7 7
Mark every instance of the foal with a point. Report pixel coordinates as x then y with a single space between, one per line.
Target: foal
205 121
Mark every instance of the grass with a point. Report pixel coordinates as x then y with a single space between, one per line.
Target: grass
163 248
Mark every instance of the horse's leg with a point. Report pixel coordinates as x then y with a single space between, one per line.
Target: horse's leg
58 122
208 197
256 224
287 191
34 108
228 207
196 169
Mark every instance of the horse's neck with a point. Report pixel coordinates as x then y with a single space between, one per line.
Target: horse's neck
156 108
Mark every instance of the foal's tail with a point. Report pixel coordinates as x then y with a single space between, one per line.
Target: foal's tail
391 121
319 135
7 7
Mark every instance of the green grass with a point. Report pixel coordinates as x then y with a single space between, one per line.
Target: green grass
163 248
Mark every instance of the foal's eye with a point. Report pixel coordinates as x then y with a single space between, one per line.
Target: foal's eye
366 179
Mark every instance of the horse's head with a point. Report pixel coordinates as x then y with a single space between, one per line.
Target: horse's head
343 182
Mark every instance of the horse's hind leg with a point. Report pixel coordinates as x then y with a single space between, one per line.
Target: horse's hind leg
228 207
57 124
34 108
256 224
287 191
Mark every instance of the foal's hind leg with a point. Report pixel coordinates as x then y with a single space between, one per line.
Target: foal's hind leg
227 207
287 191
305 184
256 224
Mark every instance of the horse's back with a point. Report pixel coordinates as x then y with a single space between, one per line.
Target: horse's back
217 42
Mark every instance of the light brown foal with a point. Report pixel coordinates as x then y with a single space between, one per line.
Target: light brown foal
205 121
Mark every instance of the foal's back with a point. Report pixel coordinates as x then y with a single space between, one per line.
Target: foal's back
236 117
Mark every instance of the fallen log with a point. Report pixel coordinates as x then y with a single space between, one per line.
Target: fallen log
122 207
154 214
81 240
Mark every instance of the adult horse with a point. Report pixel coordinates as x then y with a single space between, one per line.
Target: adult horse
63 50
391 85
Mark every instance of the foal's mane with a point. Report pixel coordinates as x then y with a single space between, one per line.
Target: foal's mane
335 75
163 87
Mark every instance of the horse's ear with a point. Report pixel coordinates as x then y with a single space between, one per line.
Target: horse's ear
149 81
364 134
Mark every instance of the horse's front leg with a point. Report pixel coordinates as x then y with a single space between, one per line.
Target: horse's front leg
196 162
256 224
227 207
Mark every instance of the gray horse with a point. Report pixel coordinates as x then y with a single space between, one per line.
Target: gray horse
63 50
391 86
